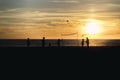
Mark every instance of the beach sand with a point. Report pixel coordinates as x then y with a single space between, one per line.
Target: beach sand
61 55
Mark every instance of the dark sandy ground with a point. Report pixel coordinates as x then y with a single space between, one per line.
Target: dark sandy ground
61 55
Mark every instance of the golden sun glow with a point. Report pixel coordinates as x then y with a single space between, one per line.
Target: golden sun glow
92 27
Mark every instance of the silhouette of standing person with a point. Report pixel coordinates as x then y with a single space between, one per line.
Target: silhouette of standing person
28 42
43 42
58 42
82 43
49 44
87 41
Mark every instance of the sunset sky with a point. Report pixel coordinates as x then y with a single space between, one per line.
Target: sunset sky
20 19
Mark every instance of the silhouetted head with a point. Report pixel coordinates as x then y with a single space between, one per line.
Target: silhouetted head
43 37
86 37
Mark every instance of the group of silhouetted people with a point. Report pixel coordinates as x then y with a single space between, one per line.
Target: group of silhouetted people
43 42
28 42
59 42
87 42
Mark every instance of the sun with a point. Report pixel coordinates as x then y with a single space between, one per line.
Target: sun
92 27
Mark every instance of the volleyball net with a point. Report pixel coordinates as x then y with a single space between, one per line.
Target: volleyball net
69 34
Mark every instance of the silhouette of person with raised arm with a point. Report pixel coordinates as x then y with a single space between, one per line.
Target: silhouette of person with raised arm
43 42
82 42
58 42
28 42
87 41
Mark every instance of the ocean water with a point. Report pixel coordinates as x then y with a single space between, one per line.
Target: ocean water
53 42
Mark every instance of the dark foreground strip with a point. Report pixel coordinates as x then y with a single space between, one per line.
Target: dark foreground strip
60 55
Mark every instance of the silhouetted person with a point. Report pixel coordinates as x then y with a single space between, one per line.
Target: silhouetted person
28 42
43 42
49 44
82 42
62 42
58 42
87 41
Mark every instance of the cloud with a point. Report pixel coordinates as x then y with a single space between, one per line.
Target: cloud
22 16
65 1
48 14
